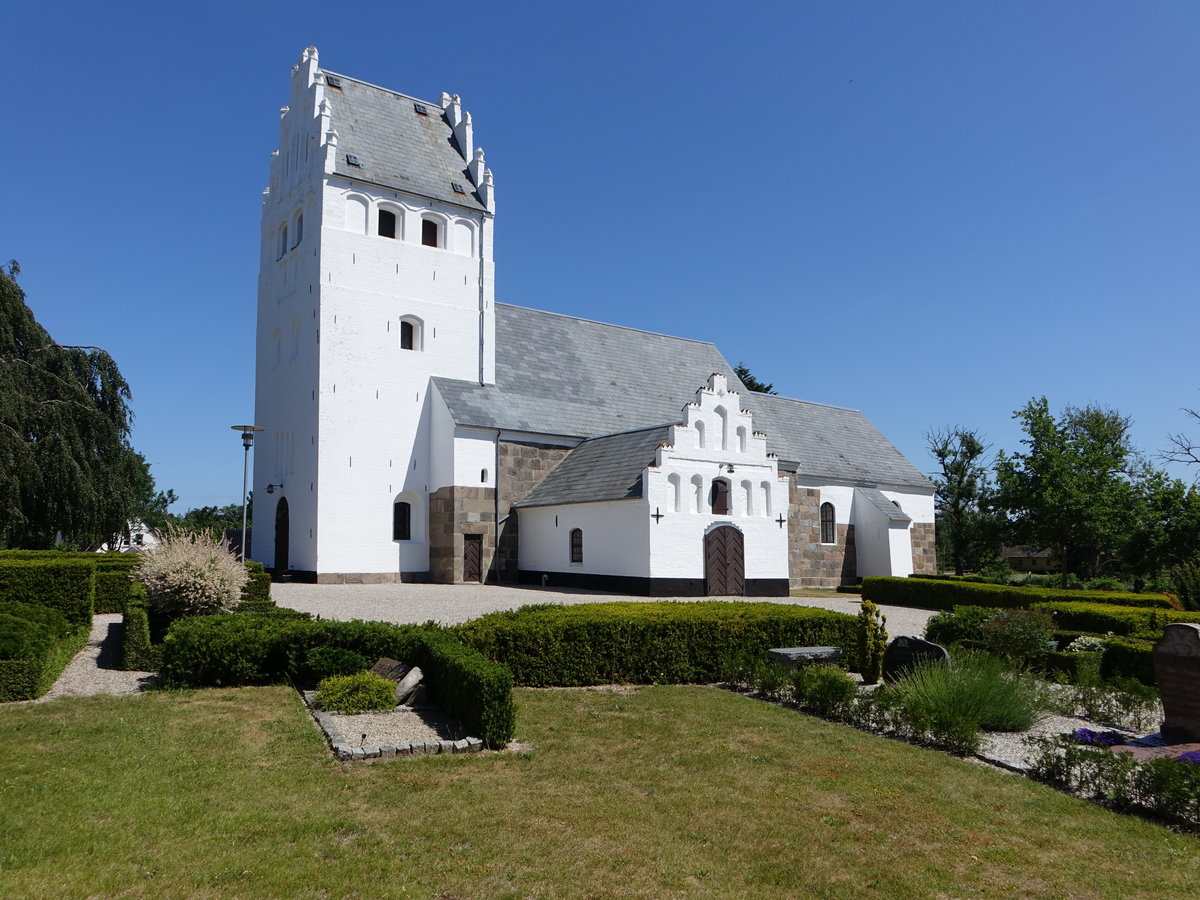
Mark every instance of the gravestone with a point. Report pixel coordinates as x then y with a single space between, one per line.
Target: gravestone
794 657
409 689
1177 668
390 669
906 651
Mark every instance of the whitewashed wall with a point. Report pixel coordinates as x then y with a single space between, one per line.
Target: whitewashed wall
615 540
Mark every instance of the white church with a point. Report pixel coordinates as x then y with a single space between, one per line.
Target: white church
416 430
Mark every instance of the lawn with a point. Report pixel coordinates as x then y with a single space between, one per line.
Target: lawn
659 792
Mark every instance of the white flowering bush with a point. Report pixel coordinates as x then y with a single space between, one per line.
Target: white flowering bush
191 575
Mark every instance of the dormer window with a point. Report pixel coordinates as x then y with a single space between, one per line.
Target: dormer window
387 224
430 233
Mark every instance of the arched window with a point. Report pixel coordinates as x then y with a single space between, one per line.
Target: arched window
431 233
387 224
723 437
741 436
299 229
766 498
483 476
401 521
576 545
411 333
699 434
748 498
698 485
676 491
283 244
828 526
720 497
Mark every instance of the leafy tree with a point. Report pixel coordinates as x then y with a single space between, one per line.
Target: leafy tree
1184 449
64 434
1069 491
967 530
1163 528
214 520
752 384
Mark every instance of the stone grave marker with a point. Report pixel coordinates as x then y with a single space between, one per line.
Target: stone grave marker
906 651
409 690
1177 668
391 669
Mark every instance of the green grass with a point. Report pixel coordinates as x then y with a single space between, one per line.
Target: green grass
661 791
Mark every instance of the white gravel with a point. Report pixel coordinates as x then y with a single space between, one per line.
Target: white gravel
94 668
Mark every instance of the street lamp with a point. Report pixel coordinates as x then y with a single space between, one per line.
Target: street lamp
248 432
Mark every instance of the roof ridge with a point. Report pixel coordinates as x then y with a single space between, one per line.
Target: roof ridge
673 337
380 87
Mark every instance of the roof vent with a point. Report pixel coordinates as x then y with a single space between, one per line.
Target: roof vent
353 160
333 81
420 108
458 188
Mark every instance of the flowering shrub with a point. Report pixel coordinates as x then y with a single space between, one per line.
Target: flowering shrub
1098 738
1191 758
1087 643
191 575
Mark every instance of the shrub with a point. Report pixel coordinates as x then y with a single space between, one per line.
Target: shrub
1018 634
1086 643
973 687
258 584
23 639
66 585
138 653
322 662
872 641
928 593
54 622
1128 658
960 625
1102 618
1122 701
644 643
191 574
1105 583
1071 667
1186 580
362 692
823 690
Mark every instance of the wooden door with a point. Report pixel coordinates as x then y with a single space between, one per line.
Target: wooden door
282 526
724 562
472 557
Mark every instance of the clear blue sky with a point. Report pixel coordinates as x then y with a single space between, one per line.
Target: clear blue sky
931 212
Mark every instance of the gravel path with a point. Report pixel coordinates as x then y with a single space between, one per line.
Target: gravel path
449 604
94 668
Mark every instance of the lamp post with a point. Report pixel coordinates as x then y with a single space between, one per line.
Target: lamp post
248 432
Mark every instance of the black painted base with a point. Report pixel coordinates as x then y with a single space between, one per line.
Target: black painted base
647 587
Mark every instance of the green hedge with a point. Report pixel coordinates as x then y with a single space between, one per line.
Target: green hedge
35 649
258 588
927 593
1102 618
66 585
250 649
138 652
658 642
1127 658
1072 668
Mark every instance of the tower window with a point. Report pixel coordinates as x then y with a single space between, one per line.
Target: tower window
407 336
401 521
576 545
429 233
828 526
720 497
387 224
283 241
299 229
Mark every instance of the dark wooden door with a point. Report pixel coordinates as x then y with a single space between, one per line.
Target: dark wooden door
281 536
472 557
724 562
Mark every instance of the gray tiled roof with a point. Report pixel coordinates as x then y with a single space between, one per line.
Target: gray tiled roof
603 468
560 375
395 146
883 504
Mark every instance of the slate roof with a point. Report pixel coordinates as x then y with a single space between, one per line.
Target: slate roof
603 468
883 504
559 375
396 147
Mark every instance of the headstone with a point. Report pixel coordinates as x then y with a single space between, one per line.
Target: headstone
906 651
390 669
408 685
794 657
1177 668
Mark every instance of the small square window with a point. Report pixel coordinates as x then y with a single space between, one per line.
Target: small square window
421 109
352 160
458 188
334 82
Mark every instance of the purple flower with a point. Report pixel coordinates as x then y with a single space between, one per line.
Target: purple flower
1097 738
1192 758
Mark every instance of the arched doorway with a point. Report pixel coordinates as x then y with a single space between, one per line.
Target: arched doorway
724 562
281 537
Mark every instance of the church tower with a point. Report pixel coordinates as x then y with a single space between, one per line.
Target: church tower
375 274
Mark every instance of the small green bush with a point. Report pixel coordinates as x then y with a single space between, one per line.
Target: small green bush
1128 658
960 625
823 690
1020 635
362 692
872 641
976 687
322 662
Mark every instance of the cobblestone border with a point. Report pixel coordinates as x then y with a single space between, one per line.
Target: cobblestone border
343 750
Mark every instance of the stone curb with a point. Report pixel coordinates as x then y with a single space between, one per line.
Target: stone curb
343 750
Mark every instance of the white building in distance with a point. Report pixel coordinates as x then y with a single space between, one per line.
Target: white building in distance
418 430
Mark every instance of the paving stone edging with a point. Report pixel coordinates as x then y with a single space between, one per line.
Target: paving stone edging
343 749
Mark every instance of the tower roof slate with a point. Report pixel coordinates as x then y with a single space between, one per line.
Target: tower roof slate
395 146
603 468
559 375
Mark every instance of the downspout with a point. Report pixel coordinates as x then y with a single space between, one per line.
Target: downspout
496 507
482 301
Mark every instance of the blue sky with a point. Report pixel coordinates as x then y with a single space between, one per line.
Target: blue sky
931 212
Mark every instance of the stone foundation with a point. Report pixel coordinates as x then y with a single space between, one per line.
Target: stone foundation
812 564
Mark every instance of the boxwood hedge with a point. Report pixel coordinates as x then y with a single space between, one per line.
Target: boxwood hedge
645 643
926 593
236 649
66 585
1102 618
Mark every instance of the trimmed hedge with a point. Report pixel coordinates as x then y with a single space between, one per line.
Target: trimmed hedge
1102 618
1128 658
1072 668
66 585
238 649
258 588
138 652
927 593
645 643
